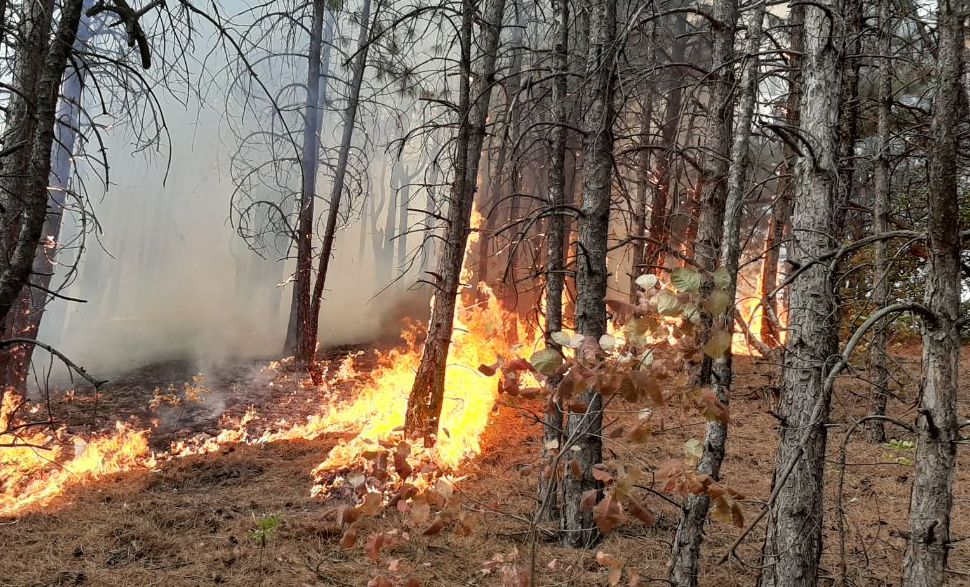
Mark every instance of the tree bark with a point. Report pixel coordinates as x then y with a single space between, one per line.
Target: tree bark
591 270
25 321
556 255
685 558
643 197
931 499
298 328
427 393
22 218
875 429
781 209
793 542
307 349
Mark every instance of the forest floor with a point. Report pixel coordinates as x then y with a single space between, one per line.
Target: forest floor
189 522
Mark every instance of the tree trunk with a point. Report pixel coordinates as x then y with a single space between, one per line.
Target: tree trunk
685 558
25 321
655 254
22 219
793 542
556 235
849 113
711 185
591 271
307 349
643 198
427 393
781 209
875 429
932 495
298 329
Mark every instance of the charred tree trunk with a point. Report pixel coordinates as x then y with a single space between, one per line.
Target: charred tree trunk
875 429
307 349
427 394
932 495
298 329
685 563
781 209
556 256
585 429
793 544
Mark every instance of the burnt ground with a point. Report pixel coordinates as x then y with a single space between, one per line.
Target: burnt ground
190 521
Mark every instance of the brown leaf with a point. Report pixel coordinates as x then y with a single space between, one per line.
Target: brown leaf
349 539
608 514
371 505
488 370
375 542
588 499
435 528
601 473
347 515
638 511
647 385
380 582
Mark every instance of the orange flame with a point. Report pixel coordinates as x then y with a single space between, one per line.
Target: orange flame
34 477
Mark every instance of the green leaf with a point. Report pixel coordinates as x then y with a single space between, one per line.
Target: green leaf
667 304
722 279
686 279
561 338
717 344
546 361
719 302
648 281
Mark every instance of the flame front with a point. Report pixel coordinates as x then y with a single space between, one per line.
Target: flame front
37 468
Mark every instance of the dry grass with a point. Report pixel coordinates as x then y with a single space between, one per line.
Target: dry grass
188 523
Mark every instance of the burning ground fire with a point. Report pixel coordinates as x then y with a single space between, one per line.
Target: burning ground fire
39 466
38 469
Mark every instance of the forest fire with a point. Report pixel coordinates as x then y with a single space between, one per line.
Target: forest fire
37 469
41 471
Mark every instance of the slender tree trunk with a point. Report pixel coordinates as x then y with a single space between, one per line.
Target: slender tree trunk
655 254
591 270
931 500
509 173
308 346
427 394
25 321
875 429
793 544
781 209
298 328
556 256
849 113
643 197
712 183
685 558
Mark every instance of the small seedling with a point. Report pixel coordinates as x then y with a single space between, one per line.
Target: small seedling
266 527
900 450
